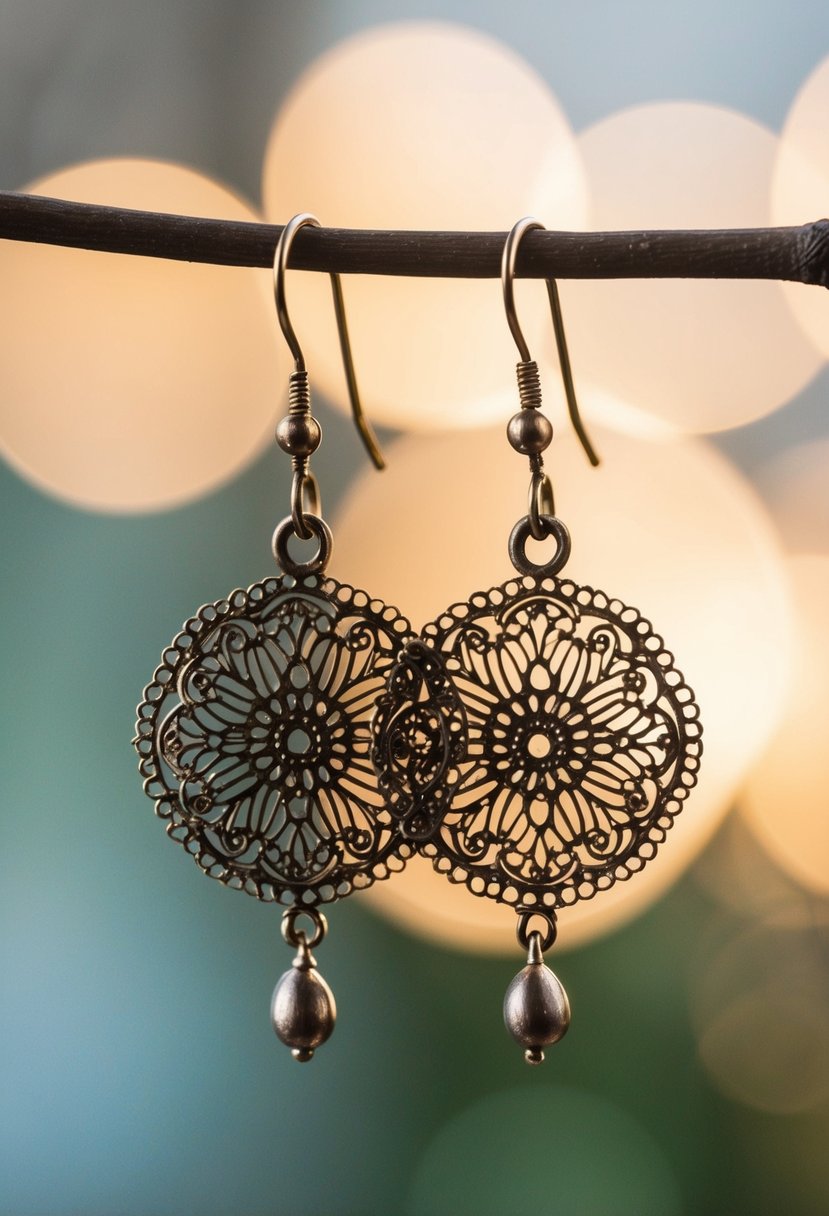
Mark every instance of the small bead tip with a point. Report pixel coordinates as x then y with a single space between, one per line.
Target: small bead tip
303 1054
534 1055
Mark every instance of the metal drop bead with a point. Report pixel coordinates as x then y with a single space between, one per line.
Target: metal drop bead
303 1009
298 434
536 1008
530 432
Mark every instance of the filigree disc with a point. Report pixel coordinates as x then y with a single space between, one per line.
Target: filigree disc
580 743
254 738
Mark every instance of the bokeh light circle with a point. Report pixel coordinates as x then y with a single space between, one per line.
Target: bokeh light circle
702 356
535 1150
800 191
785 798
668 526
760 1007
133 383
422 125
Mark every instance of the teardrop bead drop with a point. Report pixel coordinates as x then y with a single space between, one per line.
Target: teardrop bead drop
303 1009
536 1008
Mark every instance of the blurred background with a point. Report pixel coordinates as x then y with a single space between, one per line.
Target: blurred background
139 480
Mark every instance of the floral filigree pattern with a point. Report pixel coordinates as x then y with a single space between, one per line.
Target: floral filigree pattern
254 739
582 742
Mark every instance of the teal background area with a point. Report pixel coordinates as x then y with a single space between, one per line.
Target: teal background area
139 1071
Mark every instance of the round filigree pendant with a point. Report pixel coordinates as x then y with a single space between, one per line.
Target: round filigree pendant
541 743
254 737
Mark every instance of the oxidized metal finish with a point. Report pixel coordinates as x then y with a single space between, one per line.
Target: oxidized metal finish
254 738
529 431
317 530
572 743
536 1008
527 928
299 434
548 525
419 740
303 1009
529 384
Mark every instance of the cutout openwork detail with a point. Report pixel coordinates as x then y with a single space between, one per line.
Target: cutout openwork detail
254 738
582 742
420 738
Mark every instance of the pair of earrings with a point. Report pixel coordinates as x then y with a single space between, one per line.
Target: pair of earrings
302 742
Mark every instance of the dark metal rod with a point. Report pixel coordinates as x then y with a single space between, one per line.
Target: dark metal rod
799 254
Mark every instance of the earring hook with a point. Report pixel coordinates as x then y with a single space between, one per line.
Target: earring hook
280 265
508 261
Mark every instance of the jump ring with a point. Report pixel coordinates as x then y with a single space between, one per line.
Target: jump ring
283 533
540 502
298 937
300 507
523 931
551 525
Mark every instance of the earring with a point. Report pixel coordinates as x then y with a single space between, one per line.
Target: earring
254 733
537 742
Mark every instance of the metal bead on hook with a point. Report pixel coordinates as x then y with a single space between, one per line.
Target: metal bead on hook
298 438
299 434
529 432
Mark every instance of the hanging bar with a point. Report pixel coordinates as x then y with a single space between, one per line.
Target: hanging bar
798 254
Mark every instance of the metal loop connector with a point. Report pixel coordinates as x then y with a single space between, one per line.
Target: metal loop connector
314 565
551 526
305 501
540 502
297 937
528 935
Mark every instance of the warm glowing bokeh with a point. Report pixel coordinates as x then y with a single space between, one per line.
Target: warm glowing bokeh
785 800
801 190
362 143
128 383
668 526
702 356
742 878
